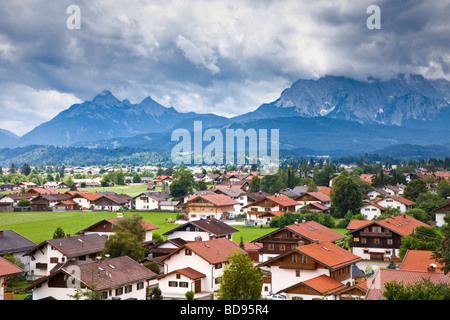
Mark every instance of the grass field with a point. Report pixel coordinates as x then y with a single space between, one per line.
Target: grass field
40 226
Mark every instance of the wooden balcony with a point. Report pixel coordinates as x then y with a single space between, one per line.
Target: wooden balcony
297 265
376 234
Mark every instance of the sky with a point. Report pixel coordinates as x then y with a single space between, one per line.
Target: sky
207 56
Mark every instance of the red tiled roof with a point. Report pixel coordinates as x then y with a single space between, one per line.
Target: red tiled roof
326 190
87 195
216 199
313 230
329 254
401 224
324 284
7 268
187 272
368 202
283 200
399 199
419 260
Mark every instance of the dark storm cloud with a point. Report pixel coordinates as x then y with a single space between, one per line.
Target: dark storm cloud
226 57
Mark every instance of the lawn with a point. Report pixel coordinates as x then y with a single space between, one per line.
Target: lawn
39 226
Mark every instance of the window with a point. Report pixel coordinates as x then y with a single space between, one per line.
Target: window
173 284
376 229
376 240
119 291
218 266
184 284
188 252
282 247
356 239
297 273
105 295
304 259
294 258
389 242
363 240
128 289
178 276
271 246
53 260
139 286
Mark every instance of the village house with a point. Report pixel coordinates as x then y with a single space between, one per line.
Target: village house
112 202
217 206
269 203
377 193
46 202
237 195
150 200
85 200
205 260
17 245
55 185
105 228
119 278
380 240
7 269
396 202
67 205
440 213
371 209
9 187
240 184
287 238
39 191
14 198
46 255
315 263
314 200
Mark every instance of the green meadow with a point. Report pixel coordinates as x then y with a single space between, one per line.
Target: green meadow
40 226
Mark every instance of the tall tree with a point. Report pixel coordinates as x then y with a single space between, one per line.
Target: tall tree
414 188
240 279
442 253
345 195
255 184
183 184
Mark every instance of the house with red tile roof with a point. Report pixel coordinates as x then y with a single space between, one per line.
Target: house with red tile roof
289 237
105 228
307 262
218 206
269 203
440 213
371 209
118 278
204 258
314 198
7 269
420 260
85 200
397 202
380 240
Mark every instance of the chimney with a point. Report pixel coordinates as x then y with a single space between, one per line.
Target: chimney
431 267
296 221
301 243
315 241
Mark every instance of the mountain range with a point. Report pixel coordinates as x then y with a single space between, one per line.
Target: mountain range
330 114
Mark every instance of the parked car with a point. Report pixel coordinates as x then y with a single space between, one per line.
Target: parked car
276 297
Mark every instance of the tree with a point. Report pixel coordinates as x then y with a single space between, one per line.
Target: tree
423 238
201 185
420 290
132 224
183 184
240 279
255 184
345 195
124 243
442 252
59 233
26 169
156 294
24 203
414 188
290 183
189 295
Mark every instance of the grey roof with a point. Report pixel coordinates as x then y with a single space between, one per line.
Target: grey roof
12 242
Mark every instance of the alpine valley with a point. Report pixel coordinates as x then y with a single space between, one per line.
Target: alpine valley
405 117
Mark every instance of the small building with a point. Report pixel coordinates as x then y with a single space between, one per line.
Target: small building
440 213
217 206
119 278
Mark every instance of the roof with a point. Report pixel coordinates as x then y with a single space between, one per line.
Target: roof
443 209
87 195
371 203
213 251
158 196
399 199
313 230
318 195
382 276
419 260
401 224
11 242
42 191
283 200
329 254
73 247
210 225
323 284
219 200
187 272
147 225
7 268
106 274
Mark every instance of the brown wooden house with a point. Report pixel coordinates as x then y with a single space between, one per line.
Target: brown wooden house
380 240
